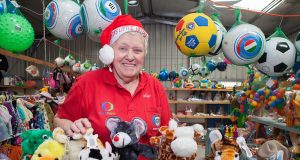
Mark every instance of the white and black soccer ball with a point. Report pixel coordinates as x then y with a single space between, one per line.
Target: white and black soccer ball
221 32
194 69
278 58
204 72
297 42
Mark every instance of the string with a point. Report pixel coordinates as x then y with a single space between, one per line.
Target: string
280 22
257 12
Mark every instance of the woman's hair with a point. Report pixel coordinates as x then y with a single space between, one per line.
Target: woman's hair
146 40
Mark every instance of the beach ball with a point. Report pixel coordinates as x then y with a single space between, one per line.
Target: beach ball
244 44
96 15
16 33
278 58
62 19
195 35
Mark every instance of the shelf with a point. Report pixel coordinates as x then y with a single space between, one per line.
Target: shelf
271 122
18 87
199 89
204 117
198 102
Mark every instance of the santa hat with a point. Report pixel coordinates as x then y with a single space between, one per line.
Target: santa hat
120 25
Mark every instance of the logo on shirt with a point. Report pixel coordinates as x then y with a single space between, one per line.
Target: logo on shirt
107 108
156 120
146 95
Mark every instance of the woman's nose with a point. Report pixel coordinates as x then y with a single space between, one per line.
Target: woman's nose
130 55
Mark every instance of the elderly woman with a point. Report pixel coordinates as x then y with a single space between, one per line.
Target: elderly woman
121 89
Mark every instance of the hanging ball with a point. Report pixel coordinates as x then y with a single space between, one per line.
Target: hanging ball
244 44
220 36
204 72
76 67
163 75
211 65
16 33
297 42
278 58
195 35
173 75
86 66
183 73
194 69
70 60
221 66
59 62
96 15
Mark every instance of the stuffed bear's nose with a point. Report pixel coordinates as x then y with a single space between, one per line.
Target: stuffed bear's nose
116 138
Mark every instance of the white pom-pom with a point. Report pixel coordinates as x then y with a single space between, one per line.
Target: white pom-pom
106 54
184 147
185 131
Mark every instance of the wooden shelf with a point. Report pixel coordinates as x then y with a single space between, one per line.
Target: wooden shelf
271 122
199 89
198 102
204 117
18 87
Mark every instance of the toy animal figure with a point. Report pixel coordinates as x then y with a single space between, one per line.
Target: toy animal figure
31 140
125 137
49 149
98 154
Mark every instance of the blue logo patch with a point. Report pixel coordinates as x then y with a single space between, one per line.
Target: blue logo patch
156 120
190 26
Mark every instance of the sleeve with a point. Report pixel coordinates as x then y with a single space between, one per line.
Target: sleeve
165 108
73 106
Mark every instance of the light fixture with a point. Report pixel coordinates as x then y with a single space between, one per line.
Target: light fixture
257 5
225 0
133 3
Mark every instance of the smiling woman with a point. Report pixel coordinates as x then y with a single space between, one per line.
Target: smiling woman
119 90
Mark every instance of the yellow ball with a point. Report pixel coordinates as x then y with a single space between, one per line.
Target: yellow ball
195 35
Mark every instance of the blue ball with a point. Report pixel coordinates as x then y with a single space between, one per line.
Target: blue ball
173 75
163 75
221 66
211 65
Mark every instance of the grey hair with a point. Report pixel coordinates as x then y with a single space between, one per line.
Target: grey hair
146 40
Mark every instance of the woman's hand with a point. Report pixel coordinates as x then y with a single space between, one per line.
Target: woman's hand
78 126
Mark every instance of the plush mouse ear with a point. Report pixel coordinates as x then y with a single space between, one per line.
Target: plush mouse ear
111 123
140 126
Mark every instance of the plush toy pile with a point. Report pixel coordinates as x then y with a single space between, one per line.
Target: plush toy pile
177 142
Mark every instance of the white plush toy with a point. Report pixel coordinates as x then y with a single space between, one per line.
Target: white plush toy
59 62
184 145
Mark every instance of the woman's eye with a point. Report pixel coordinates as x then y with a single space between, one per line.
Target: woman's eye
122 48
138 51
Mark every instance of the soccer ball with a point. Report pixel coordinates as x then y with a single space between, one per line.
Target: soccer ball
86 66
62 19
211 65
96 15
195 35
194 69
183 73
297 42
278 58
221 66
173 75
220 36
244 44
204 72
70 60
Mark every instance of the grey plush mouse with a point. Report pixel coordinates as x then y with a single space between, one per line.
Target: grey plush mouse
125 138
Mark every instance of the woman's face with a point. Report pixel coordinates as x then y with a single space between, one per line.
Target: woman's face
129 52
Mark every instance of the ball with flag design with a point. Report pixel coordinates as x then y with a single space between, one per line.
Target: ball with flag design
195 35
244 44
96 15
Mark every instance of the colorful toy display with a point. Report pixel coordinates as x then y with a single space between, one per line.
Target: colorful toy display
278 58
204 72
96 15
16 33
195 35
62 19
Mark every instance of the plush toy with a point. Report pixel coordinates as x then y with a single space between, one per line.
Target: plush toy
125 137
177 142
31 140
98 154
49 150
75 144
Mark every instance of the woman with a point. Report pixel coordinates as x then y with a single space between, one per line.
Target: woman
121 89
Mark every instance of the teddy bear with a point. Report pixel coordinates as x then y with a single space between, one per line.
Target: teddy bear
49 149
177 142
31 140
125 138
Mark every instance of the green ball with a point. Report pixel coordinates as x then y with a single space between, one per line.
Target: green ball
16 33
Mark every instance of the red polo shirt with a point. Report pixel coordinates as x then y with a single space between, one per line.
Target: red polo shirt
96 95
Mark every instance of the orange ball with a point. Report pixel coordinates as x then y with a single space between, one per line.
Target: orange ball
279 95
262 98
254 103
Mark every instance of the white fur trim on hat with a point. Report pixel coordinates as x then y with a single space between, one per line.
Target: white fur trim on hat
116 33
106 54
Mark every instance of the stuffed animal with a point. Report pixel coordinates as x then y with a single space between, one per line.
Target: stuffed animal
98 154
49 150
31 140
75 144
177 142
125 137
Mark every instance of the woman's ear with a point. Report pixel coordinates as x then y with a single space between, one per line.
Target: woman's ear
112 123
106 54
140 126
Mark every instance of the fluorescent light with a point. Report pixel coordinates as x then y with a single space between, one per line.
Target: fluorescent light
273 5
132 3
218 6
257 5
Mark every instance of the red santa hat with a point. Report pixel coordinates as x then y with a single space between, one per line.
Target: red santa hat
120 25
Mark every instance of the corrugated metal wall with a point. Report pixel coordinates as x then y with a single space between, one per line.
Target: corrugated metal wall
162 53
